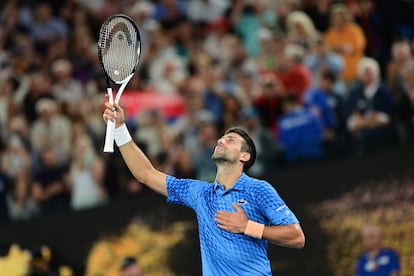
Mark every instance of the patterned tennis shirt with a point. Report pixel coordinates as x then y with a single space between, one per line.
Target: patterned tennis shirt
224 253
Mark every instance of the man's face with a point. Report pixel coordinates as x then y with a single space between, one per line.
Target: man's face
371 238
228 149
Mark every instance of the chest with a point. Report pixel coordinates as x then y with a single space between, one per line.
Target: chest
223 200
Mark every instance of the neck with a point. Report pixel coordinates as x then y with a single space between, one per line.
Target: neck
228 175
374 252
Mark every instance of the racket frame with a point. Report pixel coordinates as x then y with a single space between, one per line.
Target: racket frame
110 126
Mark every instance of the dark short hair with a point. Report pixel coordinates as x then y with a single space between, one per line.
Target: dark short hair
248 145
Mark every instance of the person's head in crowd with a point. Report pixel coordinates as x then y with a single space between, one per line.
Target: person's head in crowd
340 16
300 26
40 83
131 267
401 51
366 7
219 26
62 69
250 118
271 86
327 80
48 156
372 237
294 53
21 186
142 10
368 71
46 107
290 102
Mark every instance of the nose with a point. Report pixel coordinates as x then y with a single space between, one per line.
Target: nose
220 141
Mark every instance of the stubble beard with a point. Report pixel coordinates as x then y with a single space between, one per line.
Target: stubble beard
220 159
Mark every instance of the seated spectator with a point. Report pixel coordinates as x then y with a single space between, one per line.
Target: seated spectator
301 30
267 103
405 105
401 54
322 59
292 72
51 128
86 175
15 157
376 260
49 187
329 107
369 109
300 131
20 204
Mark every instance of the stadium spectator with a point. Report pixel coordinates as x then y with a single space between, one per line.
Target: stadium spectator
369 109
346 38
86 176
16 157
267 103
51 128
301 30
401 54
327 105
405 105
50 182
20 203
377 259
322 59
299 131
292 72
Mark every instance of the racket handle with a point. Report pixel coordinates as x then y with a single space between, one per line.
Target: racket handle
109 137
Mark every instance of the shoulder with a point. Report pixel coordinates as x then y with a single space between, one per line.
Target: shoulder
172 179
259 187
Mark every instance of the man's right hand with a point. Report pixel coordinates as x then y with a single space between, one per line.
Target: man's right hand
115 113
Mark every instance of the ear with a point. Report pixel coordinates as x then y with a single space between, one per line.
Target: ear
245 156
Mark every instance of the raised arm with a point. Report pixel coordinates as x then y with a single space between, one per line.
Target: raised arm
139 165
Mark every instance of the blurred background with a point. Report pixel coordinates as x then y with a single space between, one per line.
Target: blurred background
325 88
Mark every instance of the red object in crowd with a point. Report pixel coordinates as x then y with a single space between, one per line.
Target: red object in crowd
172 106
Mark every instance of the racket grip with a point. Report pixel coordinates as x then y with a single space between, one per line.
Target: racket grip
109 136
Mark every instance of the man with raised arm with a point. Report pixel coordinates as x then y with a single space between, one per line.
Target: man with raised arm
237 215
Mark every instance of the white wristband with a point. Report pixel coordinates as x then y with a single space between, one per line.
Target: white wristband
122 135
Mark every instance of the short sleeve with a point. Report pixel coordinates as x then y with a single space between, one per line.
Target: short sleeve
184 191
274 208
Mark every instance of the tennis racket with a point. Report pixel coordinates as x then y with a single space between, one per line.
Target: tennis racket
119 50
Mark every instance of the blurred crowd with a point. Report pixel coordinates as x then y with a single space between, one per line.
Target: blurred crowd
309 79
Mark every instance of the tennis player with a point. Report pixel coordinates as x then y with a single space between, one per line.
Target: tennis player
237 215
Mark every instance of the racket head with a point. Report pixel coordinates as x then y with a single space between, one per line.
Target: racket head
119 47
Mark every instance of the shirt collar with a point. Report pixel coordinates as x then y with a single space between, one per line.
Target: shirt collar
238 186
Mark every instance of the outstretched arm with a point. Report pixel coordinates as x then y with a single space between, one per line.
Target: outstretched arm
135 159
290 235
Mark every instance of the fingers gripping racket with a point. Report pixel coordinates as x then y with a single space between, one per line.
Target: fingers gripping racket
119 49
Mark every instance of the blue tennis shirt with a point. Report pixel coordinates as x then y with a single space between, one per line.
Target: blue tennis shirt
224 253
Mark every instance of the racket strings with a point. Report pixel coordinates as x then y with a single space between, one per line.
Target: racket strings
119 47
